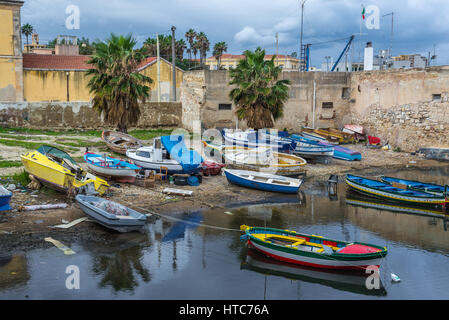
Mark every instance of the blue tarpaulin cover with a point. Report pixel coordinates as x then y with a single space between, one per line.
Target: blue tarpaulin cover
190 160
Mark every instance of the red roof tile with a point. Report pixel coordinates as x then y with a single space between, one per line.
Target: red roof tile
146 62
46 61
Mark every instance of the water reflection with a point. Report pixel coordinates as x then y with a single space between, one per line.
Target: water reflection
344 281
13 271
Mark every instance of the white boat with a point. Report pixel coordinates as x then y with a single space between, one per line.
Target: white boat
153 159
255 139
263 181
263 159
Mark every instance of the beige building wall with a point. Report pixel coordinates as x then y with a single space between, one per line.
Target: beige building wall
11 78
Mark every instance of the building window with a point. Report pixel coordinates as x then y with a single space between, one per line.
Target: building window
327 105
224 106
436 97
345 93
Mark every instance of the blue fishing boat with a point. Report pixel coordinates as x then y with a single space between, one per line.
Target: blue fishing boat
5 198
389 192
263 181
340 152
117 169
416 185
255 139
310 149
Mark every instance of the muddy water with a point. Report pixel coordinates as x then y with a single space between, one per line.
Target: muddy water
181 260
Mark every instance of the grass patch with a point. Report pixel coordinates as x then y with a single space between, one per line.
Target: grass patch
95 133
20 177
27 144
10 164
149 134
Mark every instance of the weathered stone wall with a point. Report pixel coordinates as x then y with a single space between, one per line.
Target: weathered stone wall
80 115
193 91
407 108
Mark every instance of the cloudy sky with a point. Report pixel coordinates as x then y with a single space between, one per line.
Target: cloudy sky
246 24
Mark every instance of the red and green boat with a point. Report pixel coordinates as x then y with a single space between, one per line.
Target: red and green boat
311 250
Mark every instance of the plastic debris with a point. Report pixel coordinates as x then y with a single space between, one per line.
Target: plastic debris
395 278
45 207
70 224
177 192
59 245
229 213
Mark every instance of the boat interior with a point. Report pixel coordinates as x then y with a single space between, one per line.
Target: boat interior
298 243
266 180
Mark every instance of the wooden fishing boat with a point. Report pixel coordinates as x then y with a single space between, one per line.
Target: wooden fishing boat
110 214
263 181
335 135
5 198
342 280
311 250
340 153
263 159
383 190
311 134
55 169
256 139
119 141
117 169
312 150
416 185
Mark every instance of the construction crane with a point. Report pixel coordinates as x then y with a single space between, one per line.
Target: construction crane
345 51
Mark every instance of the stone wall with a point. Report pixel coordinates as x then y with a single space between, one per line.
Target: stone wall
80 115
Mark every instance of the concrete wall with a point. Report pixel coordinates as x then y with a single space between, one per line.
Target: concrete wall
80 115
11 78
165 80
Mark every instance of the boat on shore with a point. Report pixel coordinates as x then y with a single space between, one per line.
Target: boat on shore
340 153
167 152
55 169
117 169
309 149
263 181
120 142
256 139
387 191
311 250
110 214
263 159
332 134
416 185
5 198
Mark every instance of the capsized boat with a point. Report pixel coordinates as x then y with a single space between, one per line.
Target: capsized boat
5 198
387 191
55 169
342 280
263 181
416 185
311 250
119 141
257 139
265 159
167 152
117 169
110 214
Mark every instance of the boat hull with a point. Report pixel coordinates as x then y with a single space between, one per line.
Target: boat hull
119 175
148 165
237 180
126 141
420 199
5 198
117 224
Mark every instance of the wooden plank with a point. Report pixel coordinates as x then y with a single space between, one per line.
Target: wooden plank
178 192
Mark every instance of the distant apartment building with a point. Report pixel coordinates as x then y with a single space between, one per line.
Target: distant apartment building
229 61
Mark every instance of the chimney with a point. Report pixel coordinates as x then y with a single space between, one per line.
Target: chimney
369 56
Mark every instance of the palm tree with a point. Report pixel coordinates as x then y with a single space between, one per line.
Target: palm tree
190 36
115 82
196 47
258 95
204 45
180 46
27 30
219 49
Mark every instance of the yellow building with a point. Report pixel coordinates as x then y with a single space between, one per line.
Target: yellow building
229 61
11 80
63 78
40 77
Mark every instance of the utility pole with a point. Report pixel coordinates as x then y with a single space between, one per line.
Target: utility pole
302 55
158 70
277 49
392 31
173 55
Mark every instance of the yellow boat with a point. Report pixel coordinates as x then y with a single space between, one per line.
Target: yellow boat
55 169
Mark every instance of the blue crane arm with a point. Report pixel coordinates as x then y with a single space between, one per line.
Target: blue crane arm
343 53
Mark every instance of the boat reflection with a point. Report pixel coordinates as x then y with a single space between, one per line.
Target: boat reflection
373 203
341 280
